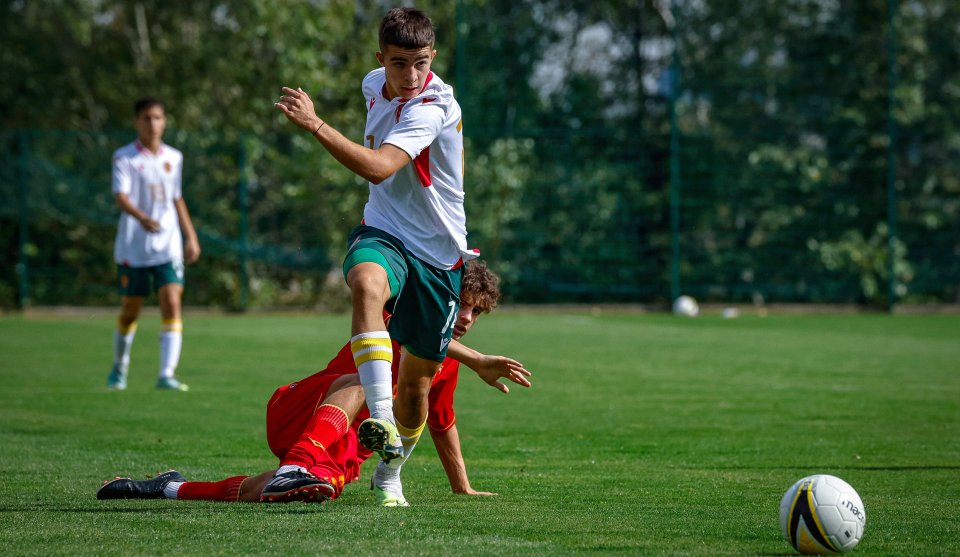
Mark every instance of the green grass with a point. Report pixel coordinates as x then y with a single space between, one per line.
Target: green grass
643 434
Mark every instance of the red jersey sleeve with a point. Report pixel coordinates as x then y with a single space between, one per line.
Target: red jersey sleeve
440 416
342 363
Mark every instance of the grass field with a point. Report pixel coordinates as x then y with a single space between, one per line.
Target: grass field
643 434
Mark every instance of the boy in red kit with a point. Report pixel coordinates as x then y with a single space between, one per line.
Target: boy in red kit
312 425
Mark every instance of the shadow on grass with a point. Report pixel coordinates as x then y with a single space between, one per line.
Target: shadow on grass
178 509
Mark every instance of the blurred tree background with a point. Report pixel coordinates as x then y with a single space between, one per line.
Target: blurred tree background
739 151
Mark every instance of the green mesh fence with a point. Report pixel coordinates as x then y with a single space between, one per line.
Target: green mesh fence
622 152
66 218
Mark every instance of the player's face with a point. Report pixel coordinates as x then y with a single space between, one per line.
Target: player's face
150 124
466 317
407 69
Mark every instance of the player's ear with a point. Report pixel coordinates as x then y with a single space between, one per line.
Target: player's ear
380 58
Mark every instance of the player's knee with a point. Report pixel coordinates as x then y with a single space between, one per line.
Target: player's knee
367 280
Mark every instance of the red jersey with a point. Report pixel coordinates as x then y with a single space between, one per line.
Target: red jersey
440 416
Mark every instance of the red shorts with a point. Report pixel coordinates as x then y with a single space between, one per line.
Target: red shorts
288 413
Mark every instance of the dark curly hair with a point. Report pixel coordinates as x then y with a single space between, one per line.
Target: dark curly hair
480 286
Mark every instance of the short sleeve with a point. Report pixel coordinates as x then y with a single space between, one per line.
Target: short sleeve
121 174
440 416
178 180
420 123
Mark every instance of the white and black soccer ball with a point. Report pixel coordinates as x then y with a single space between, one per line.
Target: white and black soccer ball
686 306
822 514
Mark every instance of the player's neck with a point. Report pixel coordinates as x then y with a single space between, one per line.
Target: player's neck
152 145
388 92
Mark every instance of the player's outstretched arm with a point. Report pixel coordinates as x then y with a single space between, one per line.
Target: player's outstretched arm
374 165
447 443
490 368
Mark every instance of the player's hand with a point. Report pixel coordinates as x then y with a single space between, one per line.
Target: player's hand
297 106
149 224
493 368
191 251
474 492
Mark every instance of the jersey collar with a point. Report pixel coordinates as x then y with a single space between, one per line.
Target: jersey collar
383 90
143 149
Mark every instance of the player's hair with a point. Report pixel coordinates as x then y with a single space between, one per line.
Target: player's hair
406 28
146 102
480 286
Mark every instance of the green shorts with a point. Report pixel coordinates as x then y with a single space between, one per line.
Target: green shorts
135 281
424 299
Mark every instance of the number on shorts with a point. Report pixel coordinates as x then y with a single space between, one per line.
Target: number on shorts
453 309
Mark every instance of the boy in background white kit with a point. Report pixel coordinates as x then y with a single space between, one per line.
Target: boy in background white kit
155 236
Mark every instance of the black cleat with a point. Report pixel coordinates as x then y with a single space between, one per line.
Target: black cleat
297 486
381 437
126 488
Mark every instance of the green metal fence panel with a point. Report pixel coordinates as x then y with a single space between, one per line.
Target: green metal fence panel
748 152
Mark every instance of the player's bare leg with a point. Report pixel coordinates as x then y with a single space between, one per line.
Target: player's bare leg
123 341
410 409
373 355
171 336
294 480
252 487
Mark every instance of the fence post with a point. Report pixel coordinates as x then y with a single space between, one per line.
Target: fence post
243 210
674 163
891 154
23 209
460 58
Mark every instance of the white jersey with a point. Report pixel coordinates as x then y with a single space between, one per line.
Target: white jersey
422 203
152 182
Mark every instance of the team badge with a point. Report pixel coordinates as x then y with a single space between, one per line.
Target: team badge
167 167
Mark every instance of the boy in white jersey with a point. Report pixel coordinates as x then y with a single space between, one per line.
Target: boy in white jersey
410 249
154 238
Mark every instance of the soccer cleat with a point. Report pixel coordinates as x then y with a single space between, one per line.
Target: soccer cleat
388 499
126 488
171 384
117 379
381 437
297 486
386 487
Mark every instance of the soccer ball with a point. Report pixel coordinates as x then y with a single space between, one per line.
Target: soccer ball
822 514
685 306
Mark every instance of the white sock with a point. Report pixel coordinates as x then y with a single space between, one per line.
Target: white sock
387 477
373 354
171 489
377 380
289 468
121 347
171 342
